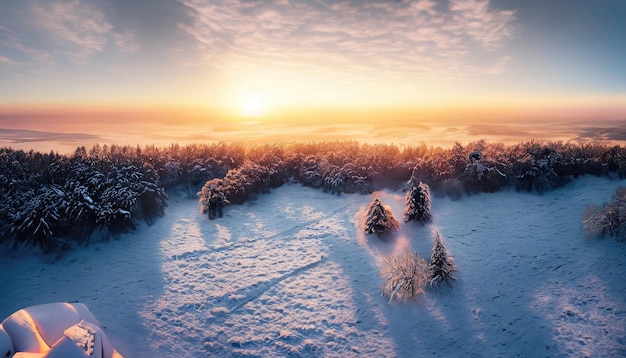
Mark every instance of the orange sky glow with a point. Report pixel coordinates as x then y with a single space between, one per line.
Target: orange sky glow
411 71
443 126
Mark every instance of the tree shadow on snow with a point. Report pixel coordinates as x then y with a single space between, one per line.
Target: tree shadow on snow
114 279
445 321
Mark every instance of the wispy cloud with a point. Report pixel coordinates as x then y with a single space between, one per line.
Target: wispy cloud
416 38
6 60
499 66
81 27
51 32
126 41
472 17
25 135
10 41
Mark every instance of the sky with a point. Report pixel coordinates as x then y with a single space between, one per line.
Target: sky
202 67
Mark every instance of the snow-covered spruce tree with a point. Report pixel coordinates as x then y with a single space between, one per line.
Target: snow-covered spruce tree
117 204
344 179
80 210
311 171
417 202
37 222
201 170
152 199
170 174
380 219
442 266
404 276
356 180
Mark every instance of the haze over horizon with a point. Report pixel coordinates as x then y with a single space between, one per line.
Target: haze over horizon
162 71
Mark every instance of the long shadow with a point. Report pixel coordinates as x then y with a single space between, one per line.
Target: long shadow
222 277
114 279
450 322
528 291
495 308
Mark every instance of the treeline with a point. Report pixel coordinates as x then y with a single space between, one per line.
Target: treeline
529 166
350 167
53 200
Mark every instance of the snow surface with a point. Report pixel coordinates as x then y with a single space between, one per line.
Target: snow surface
291 274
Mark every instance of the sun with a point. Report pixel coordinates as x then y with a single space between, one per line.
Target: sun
253 107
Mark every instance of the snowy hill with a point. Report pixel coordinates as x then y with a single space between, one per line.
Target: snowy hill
291 274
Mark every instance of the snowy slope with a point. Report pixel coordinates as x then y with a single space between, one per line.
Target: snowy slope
290 274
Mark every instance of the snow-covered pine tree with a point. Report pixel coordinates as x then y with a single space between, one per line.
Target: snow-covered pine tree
380 218
37 223
311 171
170 174
417 202
442 266
212 198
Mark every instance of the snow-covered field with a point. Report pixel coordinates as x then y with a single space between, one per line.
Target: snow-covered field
291 274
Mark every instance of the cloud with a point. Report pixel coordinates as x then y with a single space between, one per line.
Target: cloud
49 32
472 17
126 42
394 38
615 132
499 66
9 40
80 27
25 135
6 60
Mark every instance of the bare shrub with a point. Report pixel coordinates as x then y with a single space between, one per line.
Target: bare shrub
404 276
608 220
593 222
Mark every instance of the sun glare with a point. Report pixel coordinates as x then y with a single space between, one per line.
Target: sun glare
252 107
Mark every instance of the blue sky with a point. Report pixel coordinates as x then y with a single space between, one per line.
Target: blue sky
290 54
571 45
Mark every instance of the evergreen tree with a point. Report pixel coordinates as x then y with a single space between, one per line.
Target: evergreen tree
380 218
212 198
442 265
418 202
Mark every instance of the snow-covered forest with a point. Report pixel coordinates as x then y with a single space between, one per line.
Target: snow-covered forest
54 201
301 272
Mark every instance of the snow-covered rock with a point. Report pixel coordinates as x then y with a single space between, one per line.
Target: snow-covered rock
67 330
